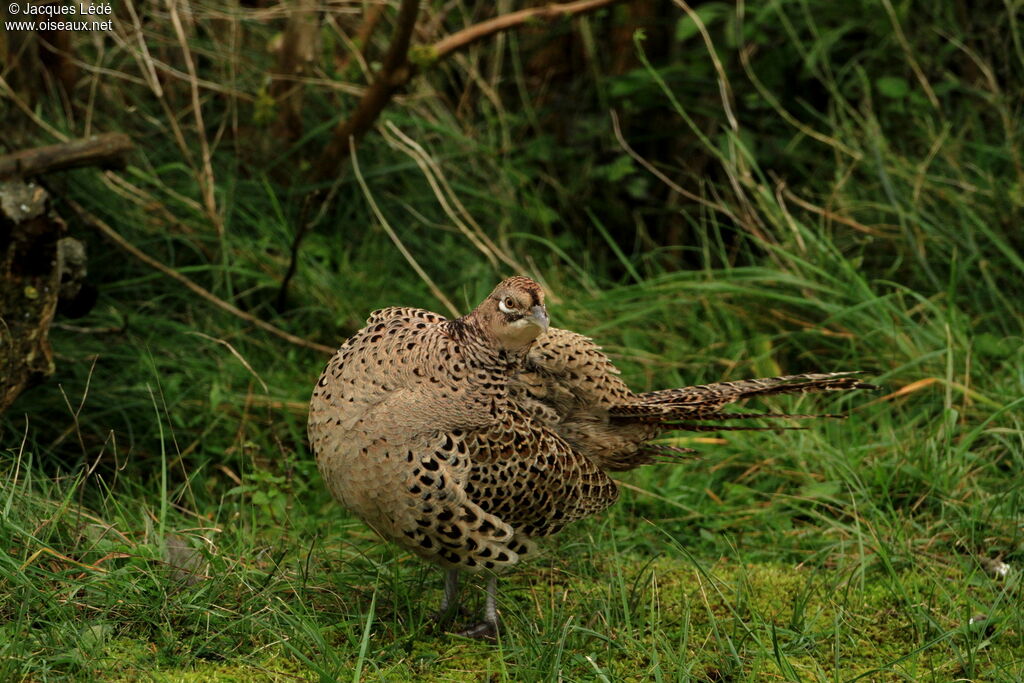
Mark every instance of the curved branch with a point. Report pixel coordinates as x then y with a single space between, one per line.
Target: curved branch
397 70
477 32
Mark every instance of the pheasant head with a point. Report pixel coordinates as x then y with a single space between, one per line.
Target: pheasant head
513 315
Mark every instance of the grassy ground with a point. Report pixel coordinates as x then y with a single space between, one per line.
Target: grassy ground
160 514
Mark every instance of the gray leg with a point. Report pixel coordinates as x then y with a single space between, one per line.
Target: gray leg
451 590
449 601
491 606
489 627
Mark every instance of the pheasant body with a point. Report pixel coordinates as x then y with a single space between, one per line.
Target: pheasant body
461 440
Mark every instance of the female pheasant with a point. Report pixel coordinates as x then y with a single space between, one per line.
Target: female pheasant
462 440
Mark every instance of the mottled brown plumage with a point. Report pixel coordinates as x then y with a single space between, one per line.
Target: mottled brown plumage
464 439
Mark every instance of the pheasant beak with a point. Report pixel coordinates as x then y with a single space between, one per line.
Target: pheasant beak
539 317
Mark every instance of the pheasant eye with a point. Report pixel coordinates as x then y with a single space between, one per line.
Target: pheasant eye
506 304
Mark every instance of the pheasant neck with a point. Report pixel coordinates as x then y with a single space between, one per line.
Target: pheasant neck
481 350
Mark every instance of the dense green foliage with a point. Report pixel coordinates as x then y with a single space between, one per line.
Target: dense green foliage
846 192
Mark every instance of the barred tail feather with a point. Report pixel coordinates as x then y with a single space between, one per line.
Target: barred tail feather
713 396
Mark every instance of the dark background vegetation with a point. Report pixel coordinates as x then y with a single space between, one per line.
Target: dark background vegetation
734 190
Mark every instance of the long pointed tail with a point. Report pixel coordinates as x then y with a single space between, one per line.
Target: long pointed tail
704 402
693 408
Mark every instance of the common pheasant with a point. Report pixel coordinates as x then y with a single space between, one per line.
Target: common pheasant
463 440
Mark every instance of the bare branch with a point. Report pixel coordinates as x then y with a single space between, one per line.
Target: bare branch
99 150
484 29
397 70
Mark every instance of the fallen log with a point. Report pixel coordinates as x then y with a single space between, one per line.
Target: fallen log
106 150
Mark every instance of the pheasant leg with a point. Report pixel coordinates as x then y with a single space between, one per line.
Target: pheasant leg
489 628
450 599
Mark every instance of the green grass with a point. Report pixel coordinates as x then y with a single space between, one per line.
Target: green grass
161 517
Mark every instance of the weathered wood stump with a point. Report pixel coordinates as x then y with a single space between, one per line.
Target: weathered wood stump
29 282
40 264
